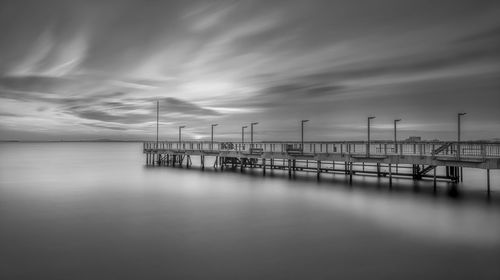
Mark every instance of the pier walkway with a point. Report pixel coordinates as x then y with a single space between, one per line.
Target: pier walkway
414 160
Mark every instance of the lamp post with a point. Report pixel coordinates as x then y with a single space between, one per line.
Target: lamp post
395 138
251 133
302 134
368 145
212 137
180 127
243 134
459 115
157 120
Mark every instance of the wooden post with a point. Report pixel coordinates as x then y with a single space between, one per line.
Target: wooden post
461 174
350 172
435 178
264 166
390 176
318 169
241 164
202 159
289 167
488 181
378 169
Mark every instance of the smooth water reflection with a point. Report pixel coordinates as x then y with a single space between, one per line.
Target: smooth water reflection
94 211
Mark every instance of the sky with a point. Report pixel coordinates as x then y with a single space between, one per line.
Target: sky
81 69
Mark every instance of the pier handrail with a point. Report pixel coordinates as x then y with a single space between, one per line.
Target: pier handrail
468 149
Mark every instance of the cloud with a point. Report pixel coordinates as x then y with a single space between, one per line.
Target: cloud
106 126
51 57
127 113
491 34
175 105
407 65
301 91
106 117
7 114
34 83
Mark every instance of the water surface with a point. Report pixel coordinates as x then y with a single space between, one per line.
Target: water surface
94 211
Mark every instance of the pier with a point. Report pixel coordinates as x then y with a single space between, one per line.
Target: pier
413 160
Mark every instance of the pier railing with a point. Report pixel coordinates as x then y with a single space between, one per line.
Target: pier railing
374 148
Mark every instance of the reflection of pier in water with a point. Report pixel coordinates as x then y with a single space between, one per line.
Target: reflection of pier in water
417 161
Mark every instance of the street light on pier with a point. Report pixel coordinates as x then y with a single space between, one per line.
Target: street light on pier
302 134
212 137
243 134
251 133
459 115
157 120
395 138
368 145
180 138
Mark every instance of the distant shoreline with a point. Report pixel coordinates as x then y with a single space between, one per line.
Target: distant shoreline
70 141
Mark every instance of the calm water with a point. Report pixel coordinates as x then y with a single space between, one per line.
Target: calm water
94 211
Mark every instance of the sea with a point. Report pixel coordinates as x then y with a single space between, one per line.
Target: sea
82 210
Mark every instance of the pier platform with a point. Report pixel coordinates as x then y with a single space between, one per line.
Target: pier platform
413 160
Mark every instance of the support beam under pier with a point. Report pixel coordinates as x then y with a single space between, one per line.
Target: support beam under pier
488 181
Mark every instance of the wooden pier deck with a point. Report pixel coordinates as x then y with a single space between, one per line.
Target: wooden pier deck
414 160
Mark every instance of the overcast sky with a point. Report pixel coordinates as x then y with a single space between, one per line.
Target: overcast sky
94 69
